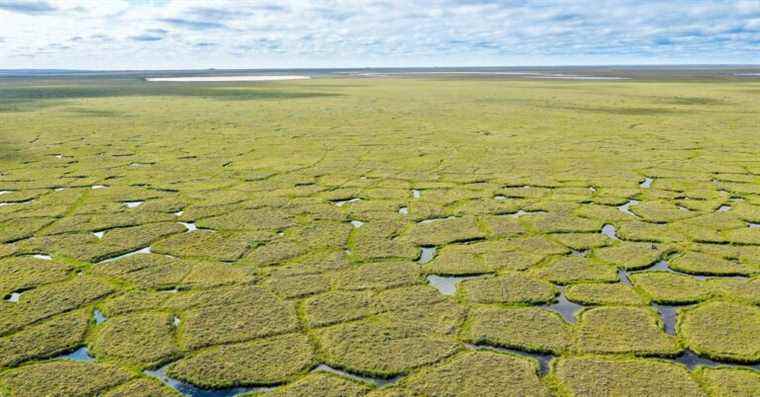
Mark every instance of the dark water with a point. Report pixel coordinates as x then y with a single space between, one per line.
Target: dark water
669 315
692 360
564 307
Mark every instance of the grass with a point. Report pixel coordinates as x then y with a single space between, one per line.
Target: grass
511 179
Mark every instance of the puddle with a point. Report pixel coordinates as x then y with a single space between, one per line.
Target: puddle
500 198
432 220
190 226
591 188
341 203
81 354
543 359
682 208
99 234
99 186
403 210
59 189
193 391
99 317
427 255
564 307
13 297
647 183
753 225
669 316
179 213
59 156
416 193
623 276
133 204
579 252
521 213
145 250
43 257
692 360
357 224
661 266
724 208
378 382
610 231
447 285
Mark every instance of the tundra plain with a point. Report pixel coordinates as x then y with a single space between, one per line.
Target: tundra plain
419 236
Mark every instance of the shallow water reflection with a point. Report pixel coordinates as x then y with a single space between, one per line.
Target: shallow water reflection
81 354
133 204
191 390
647 183
341 203
190 226
669 315
427 255
379 382
13 297
145 250
564 307
99 317
447 285
610 231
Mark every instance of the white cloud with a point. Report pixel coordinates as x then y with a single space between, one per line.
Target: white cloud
327 33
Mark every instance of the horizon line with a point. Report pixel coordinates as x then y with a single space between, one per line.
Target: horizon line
751 65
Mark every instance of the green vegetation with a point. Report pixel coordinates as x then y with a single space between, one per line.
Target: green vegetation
624 330
600 376
722 330
477 373
242 234
523 328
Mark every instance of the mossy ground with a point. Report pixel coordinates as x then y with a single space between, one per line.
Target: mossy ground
312 202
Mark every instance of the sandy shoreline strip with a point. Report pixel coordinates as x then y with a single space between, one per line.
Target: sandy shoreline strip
226 78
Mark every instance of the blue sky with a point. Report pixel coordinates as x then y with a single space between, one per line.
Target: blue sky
159 34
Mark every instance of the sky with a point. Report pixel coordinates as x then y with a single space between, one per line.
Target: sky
191 34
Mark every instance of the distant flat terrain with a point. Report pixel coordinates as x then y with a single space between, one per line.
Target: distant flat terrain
401 233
